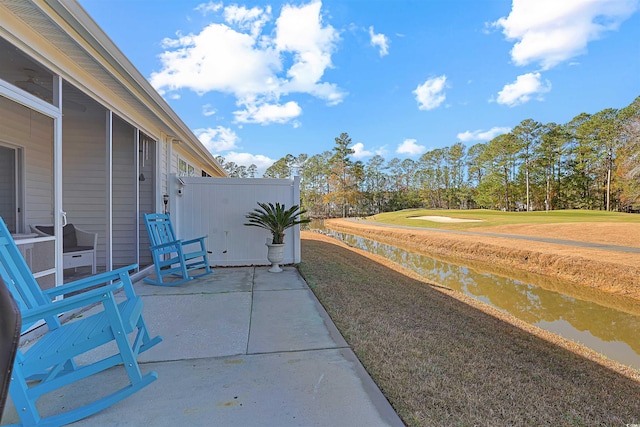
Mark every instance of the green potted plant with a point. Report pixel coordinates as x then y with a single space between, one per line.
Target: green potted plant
276 219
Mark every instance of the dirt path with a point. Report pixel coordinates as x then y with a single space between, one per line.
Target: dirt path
583 254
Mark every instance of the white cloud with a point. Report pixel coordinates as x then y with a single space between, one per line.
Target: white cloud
523 89
359 151
549 32
208 110
217 139
382 151
301 33
410 147
206 8
481 135
252 19
217 59
256 64
247 159
430 94
380 41
268 113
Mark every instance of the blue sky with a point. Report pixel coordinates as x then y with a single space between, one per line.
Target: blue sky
257 80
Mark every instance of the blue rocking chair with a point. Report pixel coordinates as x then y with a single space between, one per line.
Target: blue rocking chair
170 257
49 363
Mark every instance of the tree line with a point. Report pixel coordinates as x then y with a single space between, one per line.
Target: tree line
591 162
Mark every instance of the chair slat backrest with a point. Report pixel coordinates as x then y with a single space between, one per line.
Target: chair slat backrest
159 228
17 276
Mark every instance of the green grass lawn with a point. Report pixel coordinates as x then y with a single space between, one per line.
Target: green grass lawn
493 218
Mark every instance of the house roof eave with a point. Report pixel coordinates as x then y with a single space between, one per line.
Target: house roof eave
103 50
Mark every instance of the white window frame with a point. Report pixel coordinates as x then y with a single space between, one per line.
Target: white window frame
187 170
19 186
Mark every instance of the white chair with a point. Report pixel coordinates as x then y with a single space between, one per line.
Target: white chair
78 246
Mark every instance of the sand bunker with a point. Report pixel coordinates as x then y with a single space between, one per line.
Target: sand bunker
436 218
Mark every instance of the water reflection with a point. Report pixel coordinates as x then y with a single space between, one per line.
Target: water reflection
599 326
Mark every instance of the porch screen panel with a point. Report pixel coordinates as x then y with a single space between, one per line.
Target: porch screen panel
32 134
124 194
146 186
84 180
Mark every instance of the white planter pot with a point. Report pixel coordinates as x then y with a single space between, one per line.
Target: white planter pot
275 255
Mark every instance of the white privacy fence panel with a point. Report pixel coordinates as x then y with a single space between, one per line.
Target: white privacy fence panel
216 207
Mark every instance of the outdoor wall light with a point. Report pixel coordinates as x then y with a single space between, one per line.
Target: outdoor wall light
181 185
165 199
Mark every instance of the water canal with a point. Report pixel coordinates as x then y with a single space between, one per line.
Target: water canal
605 323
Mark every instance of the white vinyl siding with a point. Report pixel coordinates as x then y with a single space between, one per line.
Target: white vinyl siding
173 164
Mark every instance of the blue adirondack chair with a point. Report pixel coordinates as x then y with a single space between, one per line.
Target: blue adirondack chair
173 257
49 363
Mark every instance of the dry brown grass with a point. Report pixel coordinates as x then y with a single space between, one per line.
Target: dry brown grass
621 234
444 359
613 272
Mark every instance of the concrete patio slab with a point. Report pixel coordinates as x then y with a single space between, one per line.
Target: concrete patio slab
237 279
242 347
317 388
290 320
289 278
196 326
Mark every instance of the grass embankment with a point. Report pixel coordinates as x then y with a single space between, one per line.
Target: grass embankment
612 272
444 359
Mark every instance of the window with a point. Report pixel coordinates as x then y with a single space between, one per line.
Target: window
185 169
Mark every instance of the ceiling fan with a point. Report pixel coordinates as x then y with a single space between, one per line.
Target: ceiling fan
35 88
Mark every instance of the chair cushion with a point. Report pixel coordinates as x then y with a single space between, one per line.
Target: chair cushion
69 239
46 229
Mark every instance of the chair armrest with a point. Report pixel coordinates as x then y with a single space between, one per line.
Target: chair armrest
81 300
38 232
86 238
88 282
196 240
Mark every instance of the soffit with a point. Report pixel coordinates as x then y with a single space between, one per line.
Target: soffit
94 76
